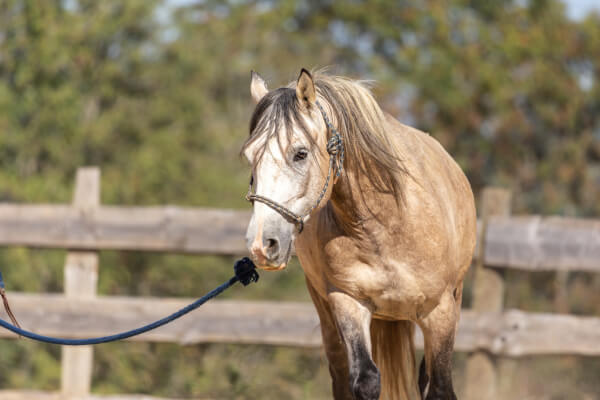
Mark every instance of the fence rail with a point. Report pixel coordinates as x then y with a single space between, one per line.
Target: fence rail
509 333
38 395
529 243
168 229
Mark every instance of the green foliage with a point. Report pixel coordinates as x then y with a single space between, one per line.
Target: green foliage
223 372
157 97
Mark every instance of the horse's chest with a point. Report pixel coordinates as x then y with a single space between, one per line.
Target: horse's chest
395 289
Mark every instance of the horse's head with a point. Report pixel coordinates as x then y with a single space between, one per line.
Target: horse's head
287 151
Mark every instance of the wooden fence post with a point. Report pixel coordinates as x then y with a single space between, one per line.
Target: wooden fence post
488 296
81 278
561 292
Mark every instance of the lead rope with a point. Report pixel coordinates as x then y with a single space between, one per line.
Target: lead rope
6 305
245 272
335 148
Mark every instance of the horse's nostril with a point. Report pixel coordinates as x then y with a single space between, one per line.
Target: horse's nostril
272 247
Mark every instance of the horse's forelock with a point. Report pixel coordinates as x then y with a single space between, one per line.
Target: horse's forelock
276 114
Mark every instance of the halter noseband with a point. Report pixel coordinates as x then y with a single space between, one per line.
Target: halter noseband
335 148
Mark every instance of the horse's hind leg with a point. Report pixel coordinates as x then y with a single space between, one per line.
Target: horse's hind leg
438 328
423 377
353 320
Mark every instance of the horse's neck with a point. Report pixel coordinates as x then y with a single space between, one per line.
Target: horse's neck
354 201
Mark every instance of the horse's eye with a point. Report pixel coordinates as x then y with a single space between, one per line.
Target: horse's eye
300 155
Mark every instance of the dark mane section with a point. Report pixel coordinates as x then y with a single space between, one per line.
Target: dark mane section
276 110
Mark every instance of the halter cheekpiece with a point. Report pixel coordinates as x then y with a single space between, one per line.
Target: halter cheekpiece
335 148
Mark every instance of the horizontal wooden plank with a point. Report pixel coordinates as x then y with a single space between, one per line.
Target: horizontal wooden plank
39 395
529 243
173 229
543 243
511 333
517 333
222 321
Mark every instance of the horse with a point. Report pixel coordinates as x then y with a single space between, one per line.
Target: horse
383 223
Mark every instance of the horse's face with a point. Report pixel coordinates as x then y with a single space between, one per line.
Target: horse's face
288 168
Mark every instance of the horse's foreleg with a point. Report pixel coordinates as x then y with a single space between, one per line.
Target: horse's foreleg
353 320
438 331
334 347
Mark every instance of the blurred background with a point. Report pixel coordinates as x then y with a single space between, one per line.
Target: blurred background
156 93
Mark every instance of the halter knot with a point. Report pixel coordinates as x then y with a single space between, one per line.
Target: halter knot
334 145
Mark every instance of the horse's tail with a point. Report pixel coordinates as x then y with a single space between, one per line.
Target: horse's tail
394 355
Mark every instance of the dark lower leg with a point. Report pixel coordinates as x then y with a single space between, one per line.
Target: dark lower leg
440 373
423 377
365 380
353 320
334 348
438 330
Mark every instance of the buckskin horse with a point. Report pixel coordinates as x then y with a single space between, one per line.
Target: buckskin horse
383 223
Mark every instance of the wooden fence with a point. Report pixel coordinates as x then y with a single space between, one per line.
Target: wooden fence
525 243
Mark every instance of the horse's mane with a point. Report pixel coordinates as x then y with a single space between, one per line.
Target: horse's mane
369 152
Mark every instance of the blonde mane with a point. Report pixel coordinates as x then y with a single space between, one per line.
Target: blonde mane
362 125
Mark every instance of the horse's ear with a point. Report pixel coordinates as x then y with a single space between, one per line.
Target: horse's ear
305 88
258 87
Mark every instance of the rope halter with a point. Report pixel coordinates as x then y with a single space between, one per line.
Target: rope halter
335 149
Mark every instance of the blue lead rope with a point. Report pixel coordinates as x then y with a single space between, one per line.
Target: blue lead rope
245 273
